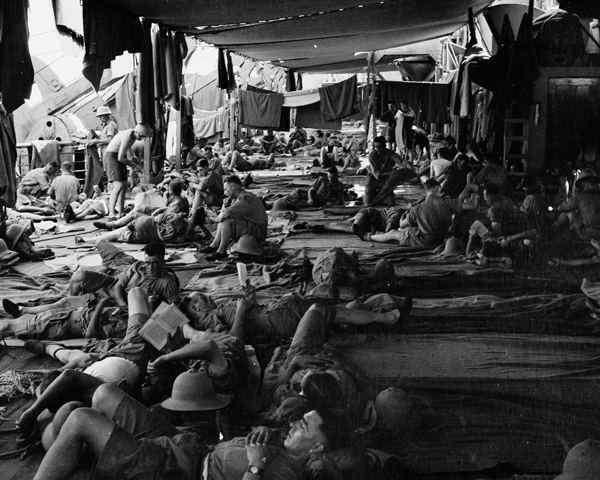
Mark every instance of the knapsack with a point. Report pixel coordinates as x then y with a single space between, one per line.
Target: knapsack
335 266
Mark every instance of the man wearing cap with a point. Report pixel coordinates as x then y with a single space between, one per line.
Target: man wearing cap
583 208
116 161
37 182
64 188
243 214
327 190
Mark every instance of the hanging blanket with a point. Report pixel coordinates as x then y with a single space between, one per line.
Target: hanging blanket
338 100
260 110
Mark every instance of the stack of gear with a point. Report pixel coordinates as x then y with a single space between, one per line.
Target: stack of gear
8 258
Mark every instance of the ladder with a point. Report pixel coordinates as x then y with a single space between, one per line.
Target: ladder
516 143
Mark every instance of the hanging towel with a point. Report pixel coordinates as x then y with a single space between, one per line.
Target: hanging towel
93 166
338 100
290 84
260 110
223 80
44 152
209 126
108 31
231 85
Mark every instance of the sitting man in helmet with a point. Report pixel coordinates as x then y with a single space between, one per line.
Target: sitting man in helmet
116 162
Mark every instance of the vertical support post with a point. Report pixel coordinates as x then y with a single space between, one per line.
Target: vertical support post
233 102
371 80
146 161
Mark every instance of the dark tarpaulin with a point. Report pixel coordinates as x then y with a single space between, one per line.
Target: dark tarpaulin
430 101
310 116
108 31
124 103
339 100
493 73
16 69
438 100
398 91
524 69
486 398
145 83
8 150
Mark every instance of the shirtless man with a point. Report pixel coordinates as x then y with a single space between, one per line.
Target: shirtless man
116 161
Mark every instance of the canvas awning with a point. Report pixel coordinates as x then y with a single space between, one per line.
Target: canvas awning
311 35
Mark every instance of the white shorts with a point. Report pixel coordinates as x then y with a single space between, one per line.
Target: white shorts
114 369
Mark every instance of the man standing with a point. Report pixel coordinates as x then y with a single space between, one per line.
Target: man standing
389 132
108 130
244 214
405 139
65 188
116 161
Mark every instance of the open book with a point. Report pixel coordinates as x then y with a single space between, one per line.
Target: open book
164 321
